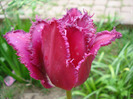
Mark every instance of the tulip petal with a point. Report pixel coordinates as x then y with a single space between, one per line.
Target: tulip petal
85 23
20 42
83 68
36 46
46 82
73 12
56 55
104 38
36 43
71 15
77 42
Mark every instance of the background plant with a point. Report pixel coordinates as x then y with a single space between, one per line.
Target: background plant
112 71
14 8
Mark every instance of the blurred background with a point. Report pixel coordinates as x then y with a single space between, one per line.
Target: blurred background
111 75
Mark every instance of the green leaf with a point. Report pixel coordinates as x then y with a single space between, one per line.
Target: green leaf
112 71
89 95
111 88
78 92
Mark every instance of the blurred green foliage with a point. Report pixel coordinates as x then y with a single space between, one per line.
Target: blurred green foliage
15 7
111 75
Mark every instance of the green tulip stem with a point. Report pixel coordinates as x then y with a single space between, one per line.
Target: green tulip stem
69 94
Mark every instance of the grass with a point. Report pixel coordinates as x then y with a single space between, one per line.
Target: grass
110 77
17 90
13 92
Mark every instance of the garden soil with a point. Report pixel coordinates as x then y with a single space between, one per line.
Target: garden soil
53 93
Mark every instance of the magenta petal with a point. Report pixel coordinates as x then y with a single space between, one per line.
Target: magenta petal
20 42
83 68
36 46
74 12
47 83
77 42
71 15
104 38
86 23
36 43
56 57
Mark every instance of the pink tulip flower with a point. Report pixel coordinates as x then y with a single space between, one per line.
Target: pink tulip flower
59 52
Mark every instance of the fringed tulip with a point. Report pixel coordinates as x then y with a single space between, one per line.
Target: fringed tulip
59 52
